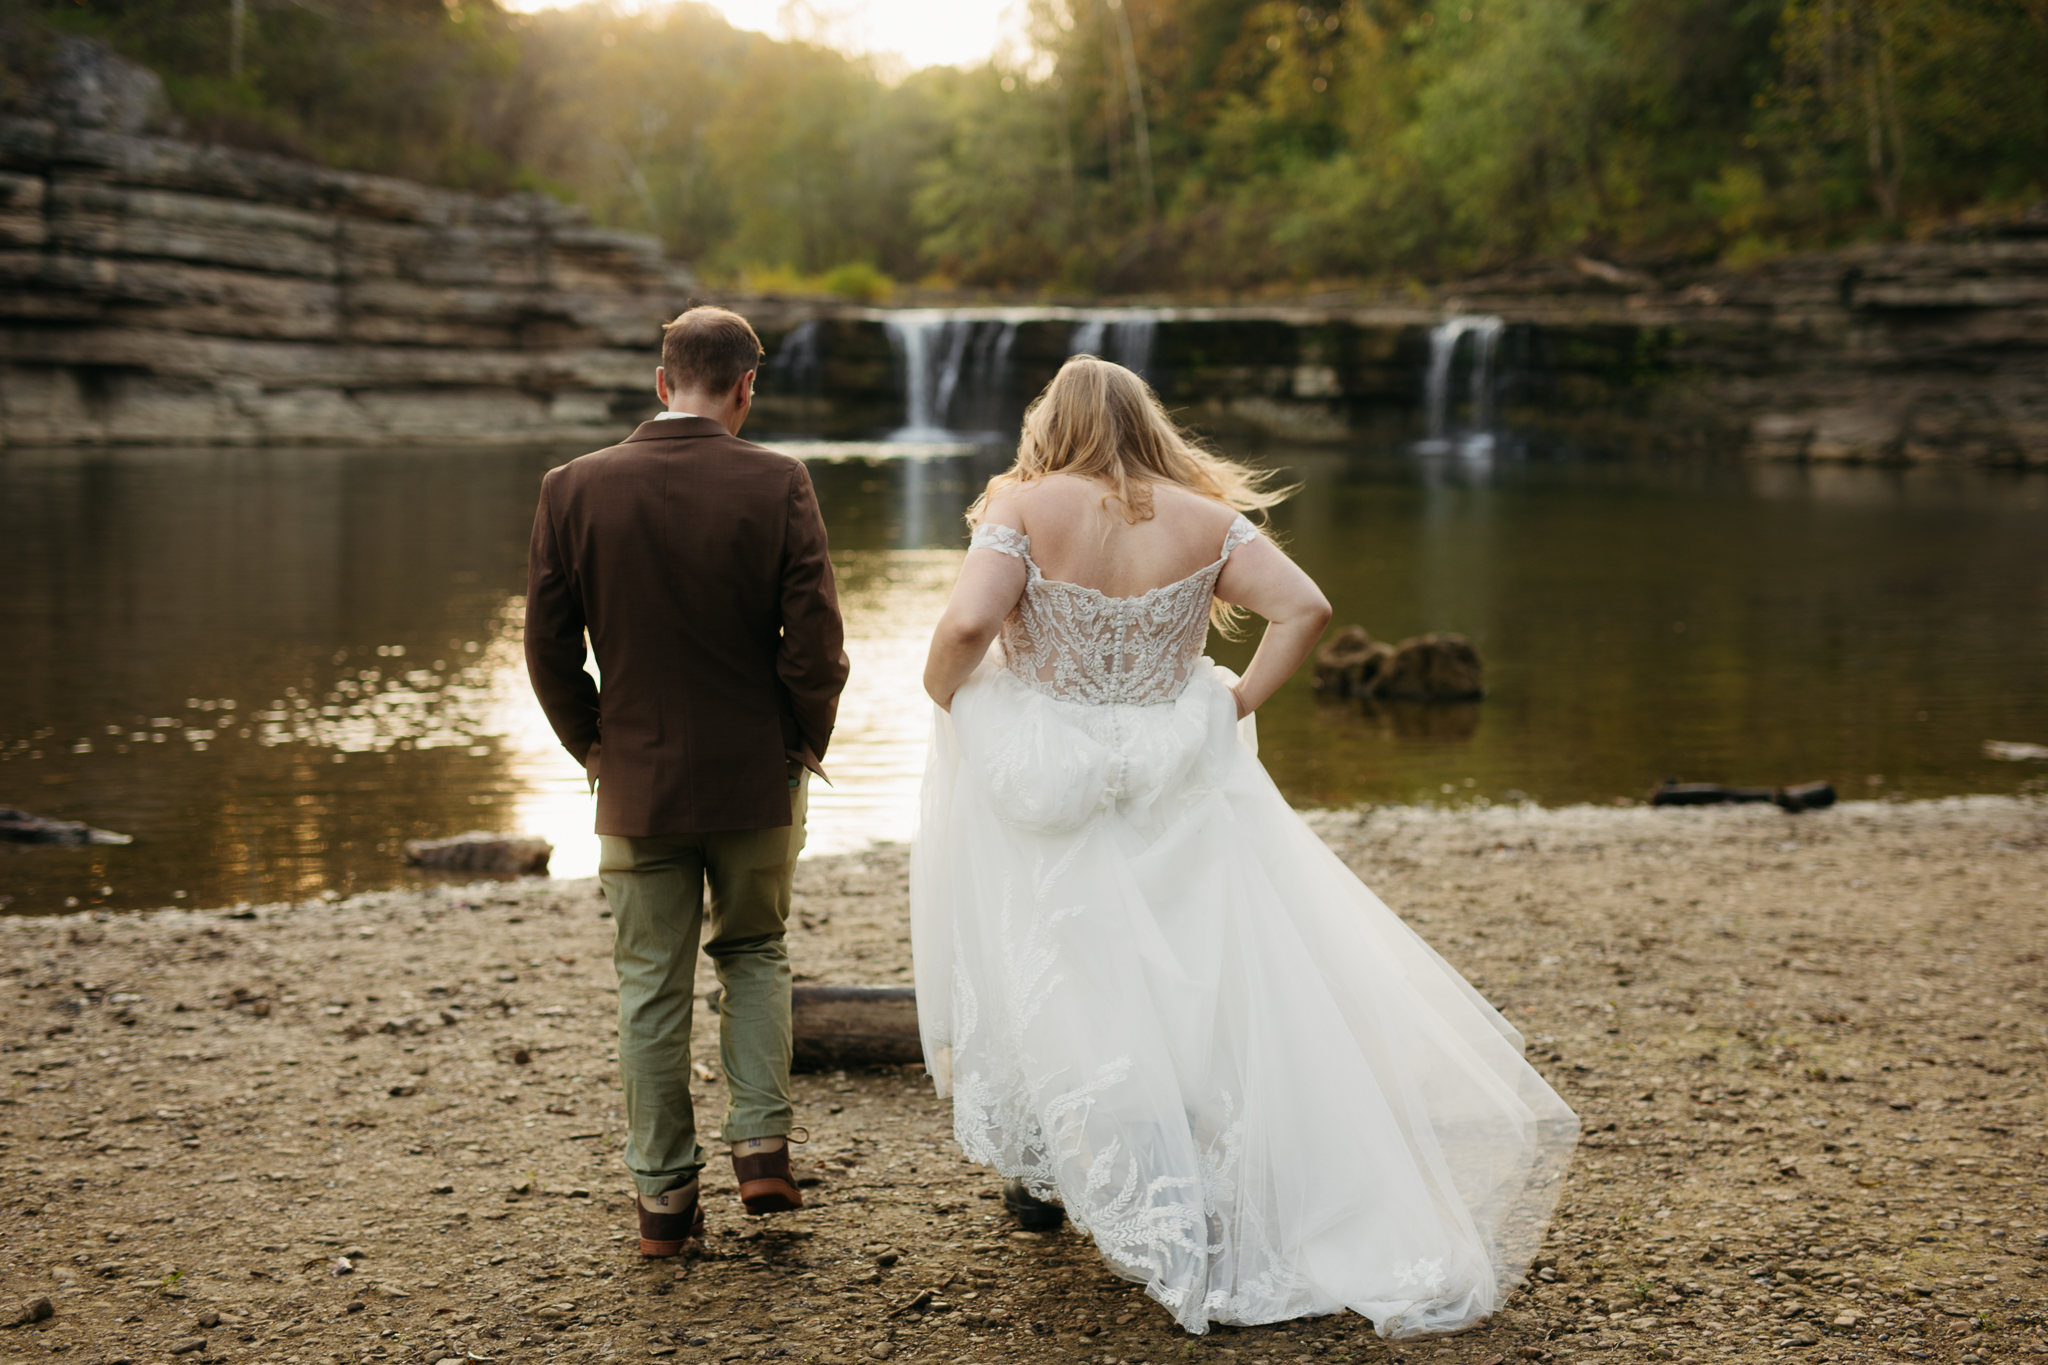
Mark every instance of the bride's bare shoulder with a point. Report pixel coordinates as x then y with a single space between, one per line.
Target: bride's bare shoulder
1049 498
1191 513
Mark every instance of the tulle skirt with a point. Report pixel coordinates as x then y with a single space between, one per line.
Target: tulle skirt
1156 996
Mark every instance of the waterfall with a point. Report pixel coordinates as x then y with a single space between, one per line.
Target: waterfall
1124 337
1443 349
798 367
953 367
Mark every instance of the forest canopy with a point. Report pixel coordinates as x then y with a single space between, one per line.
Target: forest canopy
1147 145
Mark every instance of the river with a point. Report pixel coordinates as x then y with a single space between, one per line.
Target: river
272 667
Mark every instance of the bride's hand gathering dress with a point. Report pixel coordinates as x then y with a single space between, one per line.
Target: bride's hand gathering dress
1155 995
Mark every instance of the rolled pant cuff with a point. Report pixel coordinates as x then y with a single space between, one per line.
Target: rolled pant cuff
743 1132
651 1185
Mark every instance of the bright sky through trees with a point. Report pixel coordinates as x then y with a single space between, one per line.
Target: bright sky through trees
921 32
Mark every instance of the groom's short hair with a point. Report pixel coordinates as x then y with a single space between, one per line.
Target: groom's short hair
706 349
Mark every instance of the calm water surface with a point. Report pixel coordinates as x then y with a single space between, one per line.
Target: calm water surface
272 668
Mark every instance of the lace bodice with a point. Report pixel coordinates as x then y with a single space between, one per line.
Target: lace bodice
1080 644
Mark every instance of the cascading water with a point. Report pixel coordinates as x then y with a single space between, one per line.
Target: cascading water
1485 332
1124 337
957 365
797 367
953 367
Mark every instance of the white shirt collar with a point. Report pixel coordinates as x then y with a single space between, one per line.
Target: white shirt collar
664 416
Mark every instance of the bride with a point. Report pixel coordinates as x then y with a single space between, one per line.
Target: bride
1153 994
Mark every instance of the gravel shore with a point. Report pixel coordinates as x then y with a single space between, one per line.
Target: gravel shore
1809 1052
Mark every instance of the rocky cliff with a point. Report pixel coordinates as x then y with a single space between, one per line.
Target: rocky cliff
1910 351
1926 351
156 290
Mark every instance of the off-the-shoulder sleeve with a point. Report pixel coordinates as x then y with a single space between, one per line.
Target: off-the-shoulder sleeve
1240 531
1005 539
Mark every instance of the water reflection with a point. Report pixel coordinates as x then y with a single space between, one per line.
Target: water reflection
273 668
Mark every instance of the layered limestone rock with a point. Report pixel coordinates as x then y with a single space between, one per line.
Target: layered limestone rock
1900 352
155 290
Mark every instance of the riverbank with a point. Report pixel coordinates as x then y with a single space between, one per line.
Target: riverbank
1809 1053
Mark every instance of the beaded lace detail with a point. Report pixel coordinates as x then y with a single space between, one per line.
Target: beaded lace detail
1080 644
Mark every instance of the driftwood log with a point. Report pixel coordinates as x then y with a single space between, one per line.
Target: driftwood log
477 851
2012 751
1442 667
20 827
1807 796
839 1026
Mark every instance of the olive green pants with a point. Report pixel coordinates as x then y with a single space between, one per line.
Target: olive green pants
655 888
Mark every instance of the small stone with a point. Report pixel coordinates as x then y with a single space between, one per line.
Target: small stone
1644 1325
341 1265
209 1319
187 1346
399 1092
1802 1337
443 1189
34 1310
1846 1319
882 1350
888 1258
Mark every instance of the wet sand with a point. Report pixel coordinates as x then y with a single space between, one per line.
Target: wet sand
1808 1051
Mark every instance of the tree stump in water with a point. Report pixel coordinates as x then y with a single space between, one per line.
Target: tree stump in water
1434 668
1350 664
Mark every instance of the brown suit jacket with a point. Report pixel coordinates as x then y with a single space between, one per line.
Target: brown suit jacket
697 563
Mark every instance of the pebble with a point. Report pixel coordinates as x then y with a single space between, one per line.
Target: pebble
187 1346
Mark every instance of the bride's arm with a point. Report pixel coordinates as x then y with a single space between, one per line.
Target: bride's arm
1260 578
990 584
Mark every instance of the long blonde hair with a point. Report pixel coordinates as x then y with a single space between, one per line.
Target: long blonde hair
1102 422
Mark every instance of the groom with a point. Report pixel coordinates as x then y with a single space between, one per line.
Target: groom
697 564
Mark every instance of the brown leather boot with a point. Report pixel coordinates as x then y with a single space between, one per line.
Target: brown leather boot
671 1230
766 1185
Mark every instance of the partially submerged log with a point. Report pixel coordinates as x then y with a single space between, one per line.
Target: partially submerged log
477 851
1806 796
20 827
2012 751
840 1026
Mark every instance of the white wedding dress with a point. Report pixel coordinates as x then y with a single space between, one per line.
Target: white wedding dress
1156 996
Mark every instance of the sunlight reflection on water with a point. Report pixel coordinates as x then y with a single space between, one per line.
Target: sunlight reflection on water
890 599
275 668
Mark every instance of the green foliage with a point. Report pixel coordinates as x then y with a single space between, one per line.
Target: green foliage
1145 144
417 88
859 281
